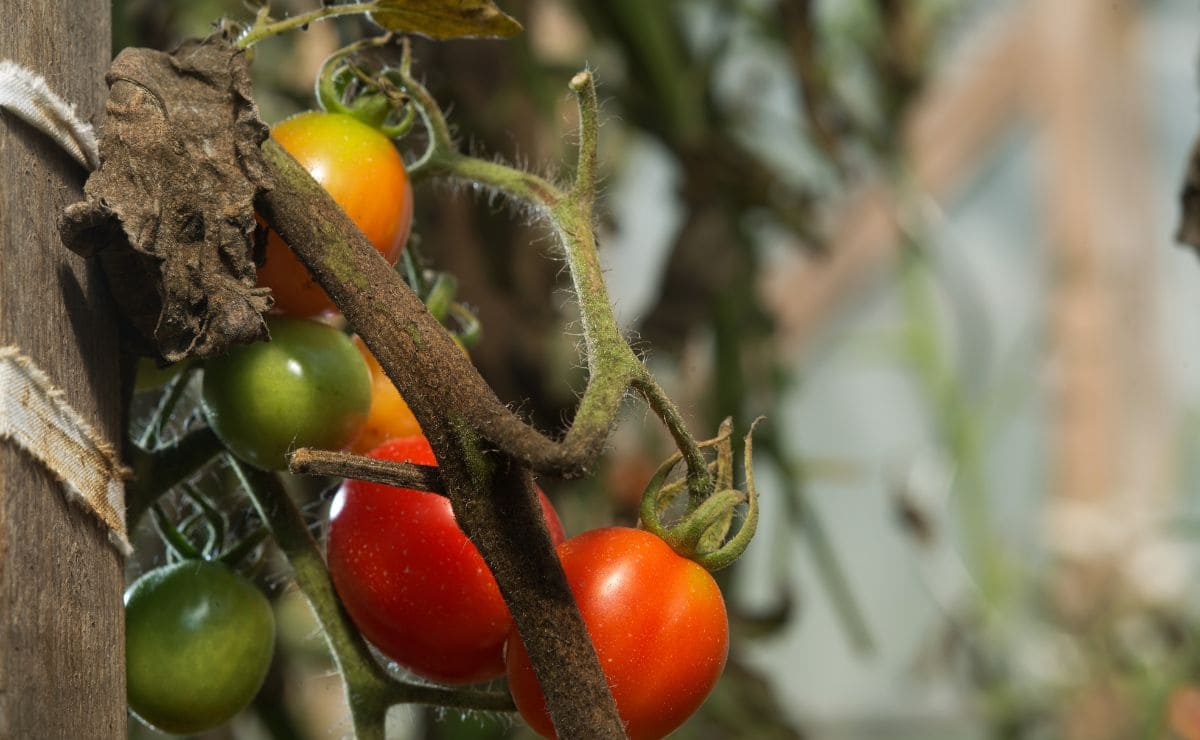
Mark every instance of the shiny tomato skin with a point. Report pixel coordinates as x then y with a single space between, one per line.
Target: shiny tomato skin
658 623
307 387
412 582
361 169
199 641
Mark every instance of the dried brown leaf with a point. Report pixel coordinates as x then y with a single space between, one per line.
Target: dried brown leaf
170 211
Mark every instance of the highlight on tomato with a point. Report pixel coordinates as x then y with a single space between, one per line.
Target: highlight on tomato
364 173
198 643
412 582
658 623
307 387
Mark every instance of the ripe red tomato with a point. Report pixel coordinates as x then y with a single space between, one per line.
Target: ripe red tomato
411 580
658 623
364 173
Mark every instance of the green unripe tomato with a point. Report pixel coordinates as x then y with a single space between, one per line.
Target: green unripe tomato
307 387
198 643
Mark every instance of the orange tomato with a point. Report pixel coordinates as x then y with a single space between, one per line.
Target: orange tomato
364 173
389 416
1183 712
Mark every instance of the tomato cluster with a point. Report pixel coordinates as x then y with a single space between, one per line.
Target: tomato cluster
200 636
418 589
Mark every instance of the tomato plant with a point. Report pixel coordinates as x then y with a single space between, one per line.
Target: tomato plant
658 623
307 387
411 580
361 169
198 642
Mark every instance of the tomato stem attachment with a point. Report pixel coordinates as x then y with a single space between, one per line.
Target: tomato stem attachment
700 533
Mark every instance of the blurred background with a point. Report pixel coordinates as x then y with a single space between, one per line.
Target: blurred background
930 240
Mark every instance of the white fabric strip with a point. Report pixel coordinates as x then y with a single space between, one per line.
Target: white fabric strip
28 96
36 417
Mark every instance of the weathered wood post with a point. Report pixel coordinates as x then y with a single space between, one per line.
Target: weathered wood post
61 623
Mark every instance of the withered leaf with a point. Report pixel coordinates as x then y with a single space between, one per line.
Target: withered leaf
170 211
445 19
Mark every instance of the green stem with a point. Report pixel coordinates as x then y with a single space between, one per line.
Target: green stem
612 365
155 473
440 295
165 409
213 519
238 552
700 482
172 537
260 32
522 186
369 690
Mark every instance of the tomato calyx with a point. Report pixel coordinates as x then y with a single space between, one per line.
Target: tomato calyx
374 98
701 533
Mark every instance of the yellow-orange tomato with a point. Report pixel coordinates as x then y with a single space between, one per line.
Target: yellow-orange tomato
389 416
364 173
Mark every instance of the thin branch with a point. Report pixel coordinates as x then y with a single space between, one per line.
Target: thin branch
155 473
266 30
308 461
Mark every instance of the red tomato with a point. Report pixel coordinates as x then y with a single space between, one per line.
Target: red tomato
658 623
364 173
389 416
411 580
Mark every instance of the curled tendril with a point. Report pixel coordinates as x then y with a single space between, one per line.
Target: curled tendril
701 532
385 105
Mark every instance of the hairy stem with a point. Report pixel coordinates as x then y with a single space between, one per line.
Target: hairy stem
262 31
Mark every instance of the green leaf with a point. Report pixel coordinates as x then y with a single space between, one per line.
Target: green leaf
445 19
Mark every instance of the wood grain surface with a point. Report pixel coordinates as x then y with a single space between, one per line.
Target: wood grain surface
61 621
